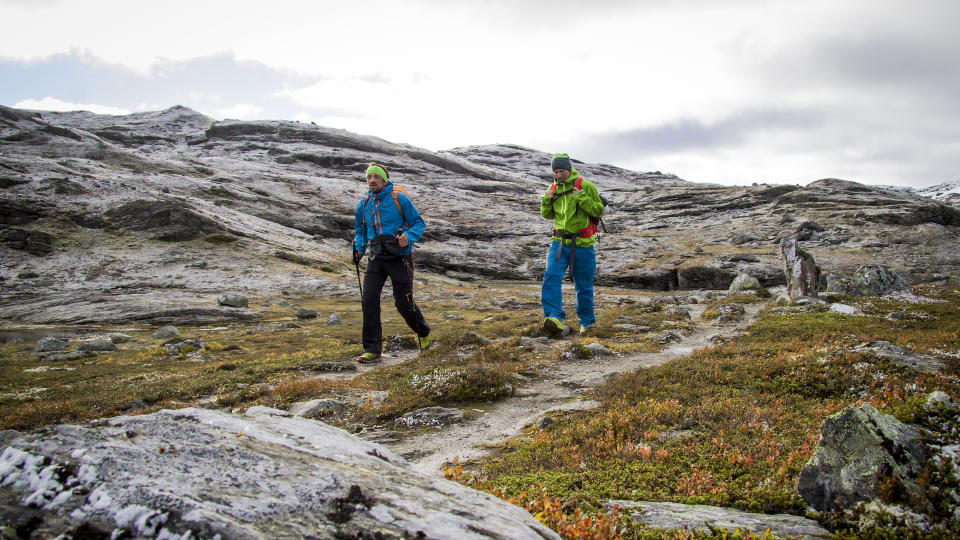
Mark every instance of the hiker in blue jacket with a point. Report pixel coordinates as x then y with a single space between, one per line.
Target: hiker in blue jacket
387 222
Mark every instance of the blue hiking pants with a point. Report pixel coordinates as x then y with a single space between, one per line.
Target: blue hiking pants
584 266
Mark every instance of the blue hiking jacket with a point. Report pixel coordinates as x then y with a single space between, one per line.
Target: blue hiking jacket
376 214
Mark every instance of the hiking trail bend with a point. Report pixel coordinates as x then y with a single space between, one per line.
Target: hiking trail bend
558 386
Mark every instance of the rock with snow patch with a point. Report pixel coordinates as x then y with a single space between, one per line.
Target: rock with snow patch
431 416
195 473
844 309
334 320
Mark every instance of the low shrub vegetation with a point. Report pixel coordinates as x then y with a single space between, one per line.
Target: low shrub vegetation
733 425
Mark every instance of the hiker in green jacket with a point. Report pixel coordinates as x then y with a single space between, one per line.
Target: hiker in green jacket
570 202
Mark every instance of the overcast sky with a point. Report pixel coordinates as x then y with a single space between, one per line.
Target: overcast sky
734 92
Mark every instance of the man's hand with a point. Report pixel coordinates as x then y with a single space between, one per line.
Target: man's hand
403 240
552 191
357 257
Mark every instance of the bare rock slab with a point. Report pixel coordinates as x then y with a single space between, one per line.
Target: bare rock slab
194 473
694 517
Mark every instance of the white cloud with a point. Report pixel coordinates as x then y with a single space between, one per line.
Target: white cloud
240 111
558 75
53 104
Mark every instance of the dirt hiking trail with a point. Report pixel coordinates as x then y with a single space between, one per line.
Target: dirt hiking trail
555 387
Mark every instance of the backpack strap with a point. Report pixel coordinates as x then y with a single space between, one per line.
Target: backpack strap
396 201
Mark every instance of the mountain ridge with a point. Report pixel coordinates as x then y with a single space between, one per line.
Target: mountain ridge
151 211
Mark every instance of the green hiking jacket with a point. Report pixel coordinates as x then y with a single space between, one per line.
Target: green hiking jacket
572 212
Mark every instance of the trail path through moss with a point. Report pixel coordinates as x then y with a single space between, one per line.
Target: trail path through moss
558 386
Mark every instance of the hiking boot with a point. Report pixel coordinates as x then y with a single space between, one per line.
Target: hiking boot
553 326
425 342
368 358
587 330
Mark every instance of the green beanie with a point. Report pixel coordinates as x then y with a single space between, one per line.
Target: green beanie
379 171
561 161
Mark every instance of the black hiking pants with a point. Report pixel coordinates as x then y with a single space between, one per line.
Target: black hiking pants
400 272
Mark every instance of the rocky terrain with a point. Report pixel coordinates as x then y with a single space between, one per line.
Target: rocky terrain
147 217
158 218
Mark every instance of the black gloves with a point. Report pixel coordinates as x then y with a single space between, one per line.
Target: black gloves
357 257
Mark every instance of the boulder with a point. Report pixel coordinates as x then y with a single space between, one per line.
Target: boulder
801 271
870 280
166 332
233 300
913 360
187 345
195 473
97 345
597 349
316 408
859 449
119 338
844 309
306 313
334 320
703 518
939 398
50 344
744 282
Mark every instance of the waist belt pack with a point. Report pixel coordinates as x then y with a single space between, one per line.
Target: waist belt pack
386 247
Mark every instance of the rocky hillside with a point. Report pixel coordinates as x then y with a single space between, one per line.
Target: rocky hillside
147 217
